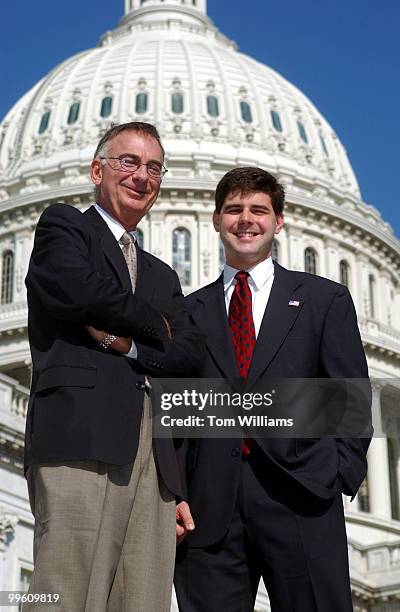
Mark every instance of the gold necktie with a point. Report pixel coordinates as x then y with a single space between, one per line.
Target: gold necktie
129 252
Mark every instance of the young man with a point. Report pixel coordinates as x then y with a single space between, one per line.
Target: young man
269 507
102 494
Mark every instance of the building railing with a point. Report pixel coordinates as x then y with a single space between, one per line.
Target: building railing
13 315
14 397
372 559
378 333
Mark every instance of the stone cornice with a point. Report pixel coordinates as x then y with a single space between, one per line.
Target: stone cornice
345 220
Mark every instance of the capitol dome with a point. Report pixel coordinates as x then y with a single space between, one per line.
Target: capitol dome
166 63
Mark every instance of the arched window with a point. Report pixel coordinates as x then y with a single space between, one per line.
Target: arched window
344 270
245 110
310 260
393 460
302 132
371 291
73 113
177 103
276 121
275 251
181 254
323 144
106 106
141 103
7 277
44 122
363 496
139 236
212 106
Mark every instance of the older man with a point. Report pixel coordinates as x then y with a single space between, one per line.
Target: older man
102 494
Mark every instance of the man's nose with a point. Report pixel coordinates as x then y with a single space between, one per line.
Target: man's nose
245 217
141 173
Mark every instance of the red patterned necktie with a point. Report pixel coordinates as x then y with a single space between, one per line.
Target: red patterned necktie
243 333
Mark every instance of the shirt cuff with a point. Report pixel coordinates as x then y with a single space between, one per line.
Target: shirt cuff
133 353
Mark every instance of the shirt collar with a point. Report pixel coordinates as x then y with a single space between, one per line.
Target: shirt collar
258 274
114 226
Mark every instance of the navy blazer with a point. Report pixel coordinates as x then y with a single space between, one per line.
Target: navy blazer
86 402
319 338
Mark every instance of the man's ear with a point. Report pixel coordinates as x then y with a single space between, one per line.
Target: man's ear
96 171
280 221
216 220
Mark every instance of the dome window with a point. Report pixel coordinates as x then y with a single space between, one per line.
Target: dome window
276 121
141 103
371 291
393 460
323 144
177 103
363 496
275 250
302 132
310 260
212 106
181 254
73 114
245 110
106 106
344 270
44 122
7 275
140 239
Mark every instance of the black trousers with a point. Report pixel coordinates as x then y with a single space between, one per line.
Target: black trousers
280 532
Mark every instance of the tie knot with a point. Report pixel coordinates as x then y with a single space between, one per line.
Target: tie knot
241 276
126 239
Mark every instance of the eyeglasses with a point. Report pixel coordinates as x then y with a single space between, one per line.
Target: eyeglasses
132 164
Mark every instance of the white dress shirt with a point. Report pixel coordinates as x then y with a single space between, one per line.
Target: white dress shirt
260 279
118 231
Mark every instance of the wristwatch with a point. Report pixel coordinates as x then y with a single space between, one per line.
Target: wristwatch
107 341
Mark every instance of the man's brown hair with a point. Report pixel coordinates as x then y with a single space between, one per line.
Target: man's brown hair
133 126
246 180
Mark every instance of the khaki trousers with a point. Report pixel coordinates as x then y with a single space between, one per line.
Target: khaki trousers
104 534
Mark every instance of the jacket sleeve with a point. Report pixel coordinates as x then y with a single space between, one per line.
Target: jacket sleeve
182 354
62 277
342 356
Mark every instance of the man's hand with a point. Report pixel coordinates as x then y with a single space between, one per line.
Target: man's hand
168 326
122 345
184 521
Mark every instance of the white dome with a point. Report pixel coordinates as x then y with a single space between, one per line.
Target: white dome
160 49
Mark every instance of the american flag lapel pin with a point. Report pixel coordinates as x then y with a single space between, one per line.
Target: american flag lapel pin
294 303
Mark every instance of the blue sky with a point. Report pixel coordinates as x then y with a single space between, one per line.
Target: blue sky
344 55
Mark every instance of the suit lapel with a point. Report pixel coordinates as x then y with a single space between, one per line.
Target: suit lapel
279 318
145 282
219 341
110 246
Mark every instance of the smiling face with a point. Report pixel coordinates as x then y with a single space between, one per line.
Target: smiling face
127 196
247 225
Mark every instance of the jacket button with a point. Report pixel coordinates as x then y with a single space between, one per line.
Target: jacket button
140 386
236 452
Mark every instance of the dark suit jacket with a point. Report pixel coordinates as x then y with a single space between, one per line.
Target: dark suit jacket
86 402
317 339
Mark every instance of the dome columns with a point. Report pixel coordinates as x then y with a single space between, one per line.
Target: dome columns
208 252
378 468
133 5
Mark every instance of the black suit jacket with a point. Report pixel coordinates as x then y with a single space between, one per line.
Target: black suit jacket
317 339
86 402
